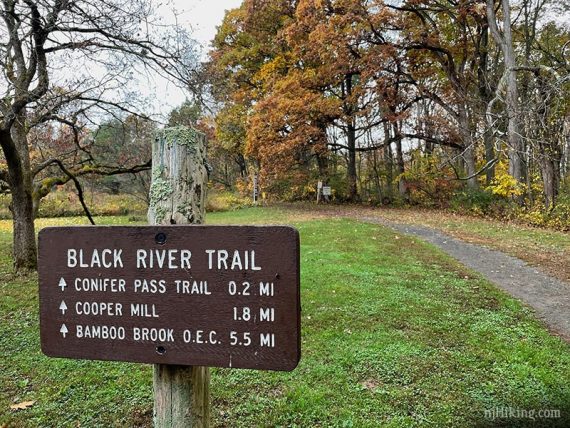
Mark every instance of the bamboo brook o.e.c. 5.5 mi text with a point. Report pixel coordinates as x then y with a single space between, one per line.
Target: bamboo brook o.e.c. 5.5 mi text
225 296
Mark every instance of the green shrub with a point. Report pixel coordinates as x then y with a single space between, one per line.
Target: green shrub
485 203
481 203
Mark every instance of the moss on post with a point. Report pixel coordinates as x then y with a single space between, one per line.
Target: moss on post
179 177
177 196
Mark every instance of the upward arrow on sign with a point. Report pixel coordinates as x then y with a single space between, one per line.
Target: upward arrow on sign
63 330
62 284
63 307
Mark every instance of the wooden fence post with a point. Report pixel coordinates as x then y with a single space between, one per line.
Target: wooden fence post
177 196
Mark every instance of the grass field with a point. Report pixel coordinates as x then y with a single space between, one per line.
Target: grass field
394 334
547 248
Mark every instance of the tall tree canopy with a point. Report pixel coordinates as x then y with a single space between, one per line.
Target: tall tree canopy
452 89
62 61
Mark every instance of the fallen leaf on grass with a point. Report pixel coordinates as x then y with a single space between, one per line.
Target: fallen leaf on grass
23 405
369 384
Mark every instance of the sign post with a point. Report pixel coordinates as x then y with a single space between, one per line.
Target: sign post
182 297
177 196
255 188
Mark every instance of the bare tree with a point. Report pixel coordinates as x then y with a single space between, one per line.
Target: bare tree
61 61
504 40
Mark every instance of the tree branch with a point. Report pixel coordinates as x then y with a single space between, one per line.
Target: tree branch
390 140
485 167
77 186
103 170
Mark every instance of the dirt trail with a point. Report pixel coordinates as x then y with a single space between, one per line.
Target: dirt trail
548 296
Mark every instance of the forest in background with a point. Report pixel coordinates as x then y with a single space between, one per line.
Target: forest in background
436 103
462 105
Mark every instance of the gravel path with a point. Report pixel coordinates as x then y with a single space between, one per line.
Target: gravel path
549 296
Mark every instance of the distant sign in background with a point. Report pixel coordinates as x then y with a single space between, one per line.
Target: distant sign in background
225 296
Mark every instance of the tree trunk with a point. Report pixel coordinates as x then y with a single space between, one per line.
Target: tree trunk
25 253
323 165
15 147
550 166
566 136
402 188
486 96
389 163
512 102
177 196
350 139
514 136
240 160
505 41
469 148
489 156
550 147
352 175
376 177
550 184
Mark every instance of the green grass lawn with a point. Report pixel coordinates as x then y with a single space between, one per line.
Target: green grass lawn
394 334
547 248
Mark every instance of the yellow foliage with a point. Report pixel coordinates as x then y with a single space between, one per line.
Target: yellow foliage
505 184
309 189
271 70
558 218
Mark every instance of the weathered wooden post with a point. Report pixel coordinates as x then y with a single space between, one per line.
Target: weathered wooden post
255 188
177 196
173 296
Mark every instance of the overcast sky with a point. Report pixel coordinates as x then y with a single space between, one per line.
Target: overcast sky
202 17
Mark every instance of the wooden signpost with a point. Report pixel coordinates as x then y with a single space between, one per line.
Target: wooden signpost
255 188
319 190
223 296
182 297
178 196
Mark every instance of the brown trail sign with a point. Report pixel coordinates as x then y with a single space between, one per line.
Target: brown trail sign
225 296
182 297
